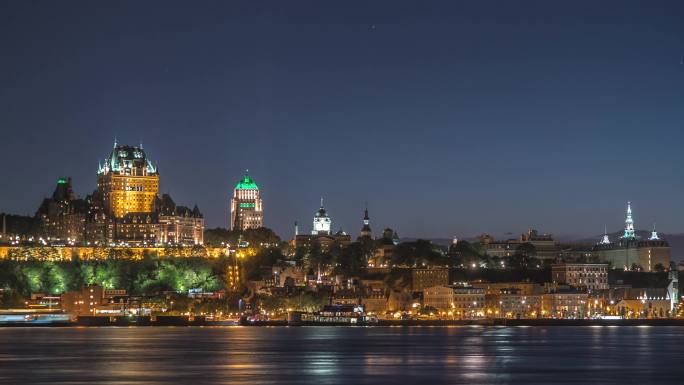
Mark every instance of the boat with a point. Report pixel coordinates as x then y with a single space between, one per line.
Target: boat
332 315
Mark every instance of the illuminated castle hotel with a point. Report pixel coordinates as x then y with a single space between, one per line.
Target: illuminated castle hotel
246 207
124 209
128 181
631 251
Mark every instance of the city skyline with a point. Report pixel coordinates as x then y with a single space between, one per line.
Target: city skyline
449 121
246 185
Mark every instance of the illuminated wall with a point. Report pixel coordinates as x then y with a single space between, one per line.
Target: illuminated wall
128 180
129 194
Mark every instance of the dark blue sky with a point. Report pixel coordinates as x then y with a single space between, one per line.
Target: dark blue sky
448 118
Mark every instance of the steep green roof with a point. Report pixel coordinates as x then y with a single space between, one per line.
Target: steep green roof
246 183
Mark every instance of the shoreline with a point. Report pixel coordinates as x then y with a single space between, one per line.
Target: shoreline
199 322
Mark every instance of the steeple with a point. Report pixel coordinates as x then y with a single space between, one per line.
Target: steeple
366 229
605 240
654 235
629 223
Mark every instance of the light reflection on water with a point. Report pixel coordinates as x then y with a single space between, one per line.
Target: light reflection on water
336 355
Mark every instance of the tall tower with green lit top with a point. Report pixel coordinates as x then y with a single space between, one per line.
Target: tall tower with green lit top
246 209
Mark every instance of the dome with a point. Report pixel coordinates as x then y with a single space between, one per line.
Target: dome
246 183
321 213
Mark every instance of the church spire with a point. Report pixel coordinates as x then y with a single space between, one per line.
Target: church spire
654 235
629 223
605 240
366 229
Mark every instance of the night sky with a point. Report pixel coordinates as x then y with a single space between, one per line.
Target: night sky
448 118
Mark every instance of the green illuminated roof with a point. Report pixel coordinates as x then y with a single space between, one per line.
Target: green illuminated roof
246 183
61 181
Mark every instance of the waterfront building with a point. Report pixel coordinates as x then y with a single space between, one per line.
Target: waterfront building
645 307
523 288
592 276
128 181
469 302
564 302
631 252
512 303
246 206
439 297
94 300
429 277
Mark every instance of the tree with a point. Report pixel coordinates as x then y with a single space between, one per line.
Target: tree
418 253
659 267
350 260
261 236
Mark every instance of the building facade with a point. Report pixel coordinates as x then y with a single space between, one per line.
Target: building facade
429 277
322 224
631 252
63 215
592 276
544 245
125 209
246 206
128 181
321 234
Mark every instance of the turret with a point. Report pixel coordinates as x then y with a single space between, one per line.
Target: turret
629 224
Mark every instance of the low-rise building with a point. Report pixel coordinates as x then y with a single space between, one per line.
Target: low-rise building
513 303
429 277
94 300
468 302
524 288
564 302
592 276
439 297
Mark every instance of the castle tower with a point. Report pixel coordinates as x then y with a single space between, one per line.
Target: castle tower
128 181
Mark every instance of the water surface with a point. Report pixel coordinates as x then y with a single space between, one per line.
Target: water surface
342 355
